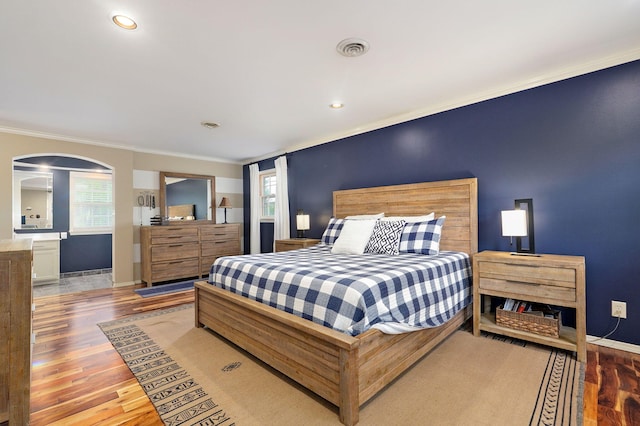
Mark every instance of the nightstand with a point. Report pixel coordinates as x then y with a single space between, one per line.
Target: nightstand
547 279
295 243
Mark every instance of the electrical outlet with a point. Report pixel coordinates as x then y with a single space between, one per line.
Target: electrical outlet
618 309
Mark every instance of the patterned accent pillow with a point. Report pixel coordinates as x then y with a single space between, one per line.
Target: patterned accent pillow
385 237
331 234
422 237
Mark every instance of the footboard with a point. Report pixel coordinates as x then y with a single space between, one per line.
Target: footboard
322 360
346 371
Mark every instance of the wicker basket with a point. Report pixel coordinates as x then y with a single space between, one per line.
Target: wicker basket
529 322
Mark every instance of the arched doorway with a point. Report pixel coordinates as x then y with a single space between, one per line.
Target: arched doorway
74 219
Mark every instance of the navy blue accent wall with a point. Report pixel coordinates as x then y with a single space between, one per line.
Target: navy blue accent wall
85 252
189 191
572 146
77 252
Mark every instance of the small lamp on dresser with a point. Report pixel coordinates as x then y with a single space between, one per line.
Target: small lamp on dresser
302 223
225 204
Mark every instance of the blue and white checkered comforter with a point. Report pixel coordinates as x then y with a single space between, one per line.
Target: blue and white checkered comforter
351 293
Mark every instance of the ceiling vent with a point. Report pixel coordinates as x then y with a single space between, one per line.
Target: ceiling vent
352 47
209 124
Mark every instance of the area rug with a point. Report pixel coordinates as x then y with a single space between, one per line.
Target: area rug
195 377
157 290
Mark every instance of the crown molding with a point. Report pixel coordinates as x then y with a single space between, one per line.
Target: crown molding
530 83
111 145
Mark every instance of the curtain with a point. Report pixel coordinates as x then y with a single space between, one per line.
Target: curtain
281 226
256 205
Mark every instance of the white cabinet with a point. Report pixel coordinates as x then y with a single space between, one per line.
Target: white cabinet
46 261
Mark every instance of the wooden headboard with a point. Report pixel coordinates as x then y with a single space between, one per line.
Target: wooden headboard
455 199
182 210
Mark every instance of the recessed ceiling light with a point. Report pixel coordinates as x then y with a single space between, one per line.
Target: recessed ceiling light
124 22
336 105
209 124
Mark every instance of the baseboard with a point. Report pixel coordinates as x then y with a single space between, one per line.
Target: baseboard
614 344
124 284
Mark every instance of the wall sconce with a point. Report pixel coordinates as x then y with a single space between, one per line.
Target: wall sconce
519 223
225 204
302 223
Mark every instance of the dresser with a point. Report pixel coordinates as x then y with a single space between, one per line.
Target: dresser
172 252
16 259
550 279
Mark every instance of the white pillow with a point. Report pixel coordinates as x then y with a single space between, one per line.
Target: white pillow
354 236
365 216
411 219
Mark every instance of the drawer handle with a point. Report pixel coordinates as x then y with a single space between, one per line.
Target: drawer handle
522 282
176 245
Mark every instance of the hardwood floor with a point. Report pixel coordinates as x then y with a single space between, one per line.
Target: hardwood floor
611 387
79 379
77 376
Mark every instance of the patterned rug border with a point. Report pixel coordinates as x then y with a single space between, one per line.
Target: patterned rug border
176 396
546 404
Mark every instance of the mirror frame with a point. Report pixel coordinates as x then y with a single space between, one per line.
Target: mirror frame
163 194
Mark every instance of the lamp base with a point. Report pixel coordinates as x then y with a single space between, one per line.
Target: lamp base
300 234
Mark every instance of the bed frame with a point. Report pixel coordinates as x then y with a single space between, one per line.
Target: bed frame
345 370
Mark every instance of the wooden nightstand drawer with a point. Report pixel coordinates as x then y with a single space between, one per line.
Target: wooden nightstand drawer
533 274
295 243
528 289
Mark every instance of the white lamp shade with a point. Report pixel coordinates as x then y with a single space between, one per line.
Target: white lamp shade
514 223
302 222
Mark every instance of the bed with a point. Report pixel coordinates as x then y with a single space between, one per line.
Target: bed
347 370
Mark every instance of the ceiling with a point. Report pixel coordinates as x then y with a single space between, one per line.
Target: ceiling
266 71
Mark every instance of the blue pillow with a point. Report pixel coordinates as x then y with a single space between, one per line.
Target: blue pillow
422 237
332 232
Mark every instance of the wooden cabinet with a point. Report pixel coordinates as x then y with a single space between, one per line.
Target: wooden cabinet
184 250
46 261
548 279
15 330
295 243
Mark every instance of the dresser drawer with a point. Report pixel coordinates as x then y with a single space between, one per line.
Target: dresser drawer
532 274
163 271
172 234
221 232
167 252
220 248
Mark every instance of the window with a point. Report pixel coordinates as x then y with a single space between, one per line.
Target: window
90 203
268 194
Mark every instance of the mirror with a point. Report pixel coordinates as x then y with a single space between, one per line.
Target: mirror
185 196
33 199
